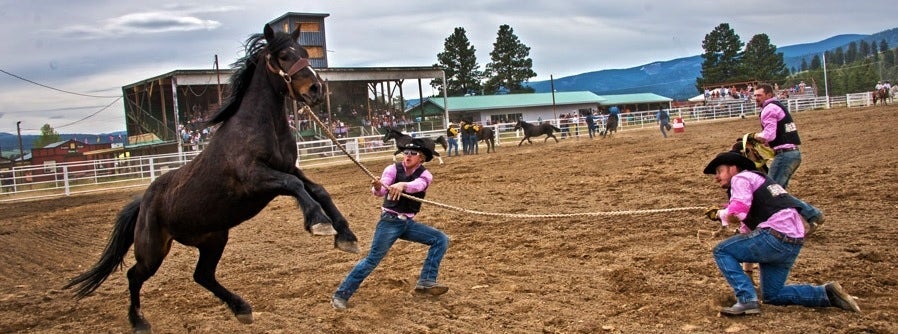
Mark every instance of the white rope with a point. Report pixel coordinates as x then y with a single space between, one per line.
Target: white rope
493 214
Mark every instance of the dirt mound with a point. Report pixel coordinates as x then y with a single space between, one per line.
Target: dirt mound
606 273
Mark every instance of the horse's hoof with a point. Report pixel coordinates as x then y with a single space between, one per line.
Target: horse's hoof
323 229
142 329
246 318
348 246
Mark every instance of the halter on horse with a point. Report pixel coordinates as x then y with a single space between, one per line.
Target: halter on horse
250 161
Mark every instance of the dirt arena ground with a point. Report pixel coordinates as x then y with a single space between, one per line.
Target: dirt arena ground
640 273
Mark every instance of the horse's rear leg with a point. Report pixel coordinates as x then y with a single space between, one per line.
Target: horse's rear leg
150 248
345 240
210 253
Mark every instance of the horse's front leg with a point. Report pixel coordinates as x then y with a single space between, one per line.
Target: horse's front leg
316 221
345 240
522 141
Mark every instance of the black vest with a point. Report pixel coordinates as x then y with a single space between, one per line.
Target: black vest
786 132
768 199
405 205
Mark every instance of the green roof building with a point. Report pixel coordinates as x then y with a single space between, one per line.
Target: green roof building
491 109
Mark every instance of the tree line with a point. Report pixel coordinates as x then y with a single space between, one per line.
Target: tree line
509 68
856 69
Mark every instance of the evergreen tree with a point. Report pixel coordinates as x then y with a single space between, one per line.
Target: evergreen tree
883 46
720 62
511 65
864 50
838 57
874 50
851 54
48 136
459 62
815 63
761 62
804 64
888 58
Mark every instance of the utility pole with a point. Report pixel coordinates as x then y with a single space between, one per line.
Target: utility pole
21 151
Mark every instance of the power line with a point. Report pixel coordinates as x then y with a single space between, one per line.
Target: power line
60 90
85 118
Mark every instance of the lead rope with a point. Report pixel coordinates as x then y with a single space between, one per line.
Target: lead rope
492 214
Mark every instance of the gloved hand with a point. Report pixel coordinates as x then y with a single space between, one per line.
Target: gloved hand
712 213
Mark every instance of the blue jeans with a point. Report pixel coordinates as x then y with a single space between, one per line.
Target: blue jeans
781 169
775 258
390 228
664 126
474 148
453 143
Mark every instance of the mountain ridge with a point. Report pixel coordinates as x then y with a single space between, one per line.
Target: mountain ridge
675 78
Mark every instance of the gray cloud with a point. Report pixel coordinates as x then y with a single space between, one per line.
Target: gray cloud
101 45
140 23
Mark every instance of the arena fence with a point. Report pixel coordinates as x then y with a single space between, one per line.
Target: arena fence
33 182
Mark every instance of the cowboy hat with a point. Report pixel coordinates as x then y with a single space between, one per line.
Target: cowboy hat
729 158
419 145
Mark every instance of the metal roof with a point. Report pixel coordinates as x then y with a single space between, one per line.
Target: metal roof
485 102
638 98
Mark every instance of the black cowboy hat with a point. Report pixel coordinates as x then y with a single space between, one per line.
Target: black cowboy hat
729 158
419 145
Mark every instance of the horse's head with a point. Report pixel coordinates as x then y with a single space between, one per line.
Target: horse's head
519 125
290 61
391 134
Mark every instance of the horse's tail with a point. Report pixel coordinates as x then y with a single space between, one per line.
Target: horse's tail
555 128
119 242
442 141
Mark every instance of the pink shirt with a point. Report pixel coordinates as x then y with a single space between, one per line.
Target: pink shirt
742 187
389 177
770 115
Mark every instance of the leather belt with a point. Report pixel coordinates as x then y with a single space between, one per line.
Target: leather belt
394 215
784 238
785 150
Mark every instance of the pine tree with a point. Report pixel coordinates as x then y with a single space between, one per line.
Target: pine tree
761 62
511 65
816 63
851 54
721 58
804 64
459 62
838 57
48 136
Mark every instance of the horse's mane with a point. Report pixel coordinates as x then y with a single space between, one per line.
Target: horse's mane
245 67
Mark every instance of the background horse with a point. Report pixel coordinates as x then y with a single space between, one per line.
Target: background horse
401 139
610 125
249 161
880 95
531 130
488 136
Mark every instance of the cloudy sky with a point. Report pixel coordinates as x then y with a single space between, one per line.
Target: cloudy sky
78 54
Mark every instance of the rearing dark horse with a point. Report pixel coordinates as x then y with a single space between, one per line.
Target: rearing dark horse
531 130
403 139
250 161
